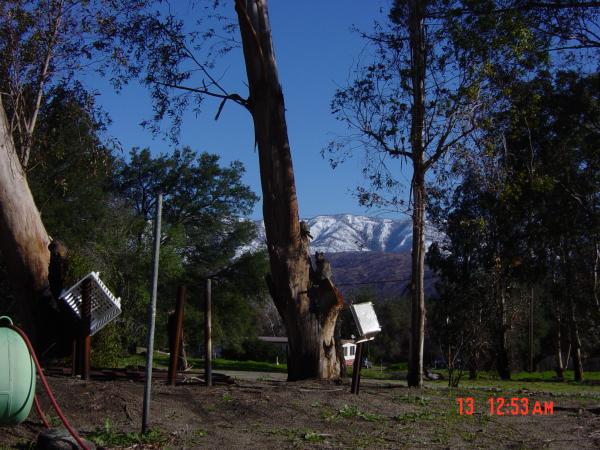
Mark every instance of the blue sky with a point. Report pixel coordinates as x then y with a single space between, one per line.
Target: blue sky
315 50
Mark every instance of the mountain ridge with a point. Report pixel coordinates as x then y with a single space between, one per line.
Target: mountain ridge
355 233
367 254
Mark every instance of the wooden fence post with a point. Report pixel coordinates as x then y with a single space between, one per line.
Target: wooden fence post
177 338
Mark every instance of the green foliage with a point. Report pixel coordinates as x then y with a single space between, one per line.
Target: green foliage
102 207
107 347
523 219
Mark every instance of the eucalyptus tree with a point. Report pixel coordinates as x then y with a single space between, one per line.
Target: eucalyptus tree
43 44
416 98
175 59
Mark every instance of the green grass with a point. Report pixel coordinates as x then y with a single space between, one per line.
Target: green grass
542 382
535 381
161 361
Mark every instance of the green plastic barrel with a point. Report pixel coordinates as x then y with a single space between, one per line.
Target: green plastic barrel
17 376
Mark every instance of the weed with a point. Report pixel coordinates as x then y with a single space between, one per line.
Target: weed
298 435
316 404
192 437
420 400
468 436
349 412
108 437
413 417
227 397
53 420
311 436
366 440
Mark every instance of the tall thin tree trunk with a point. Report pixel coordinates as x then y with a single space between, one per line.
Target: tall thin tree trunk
530 334
23 238
573 327
309 311
502 351
417 44
415 373
560 368
575 342
595 281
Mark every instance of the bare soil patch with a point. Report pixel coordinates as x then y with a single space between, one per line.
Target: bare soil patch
275 415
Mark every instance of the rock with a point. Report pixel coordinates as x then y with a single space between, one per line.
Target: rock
59 439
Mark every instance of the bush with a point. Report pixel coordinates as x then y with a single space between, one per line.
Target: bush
107 348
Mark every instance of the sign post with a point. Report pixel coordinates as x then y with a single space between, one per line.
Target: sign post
367 326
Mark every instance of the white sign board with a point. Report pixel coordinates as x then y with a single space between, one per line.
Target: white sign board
366 321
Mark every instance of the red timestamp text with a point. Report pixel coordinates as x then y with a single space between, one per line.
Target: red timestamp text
501 406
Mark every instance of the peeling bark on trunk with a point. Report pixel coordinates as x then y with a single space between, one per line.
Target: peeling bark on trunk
309 311
23 238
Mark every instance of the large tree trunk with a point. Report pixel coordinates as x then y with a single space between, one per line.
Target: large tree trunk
417 45
23 238
309 312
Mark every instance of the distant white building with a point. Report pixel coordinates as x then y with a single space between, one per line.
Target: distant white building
349 352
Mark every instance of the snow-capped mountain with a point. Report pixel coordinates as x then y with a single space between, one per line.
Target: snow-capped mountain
351 233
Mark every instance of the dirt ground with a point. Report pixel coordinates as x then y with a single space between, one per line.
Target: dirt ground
270 414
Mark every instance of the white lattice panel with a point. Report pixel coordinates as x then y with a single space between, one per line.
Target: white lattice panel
105 306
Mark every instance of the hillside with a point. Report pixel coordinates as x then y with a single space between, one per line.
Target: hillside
385 274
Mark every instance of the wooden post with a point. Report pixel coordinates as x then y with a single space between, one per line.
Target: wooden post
86 322
207 334
152 316
356 369
178 337
74 359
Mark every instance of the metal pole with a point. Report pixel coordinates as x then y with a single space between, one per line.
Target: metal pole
207 335
75 358
178 338
152 315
